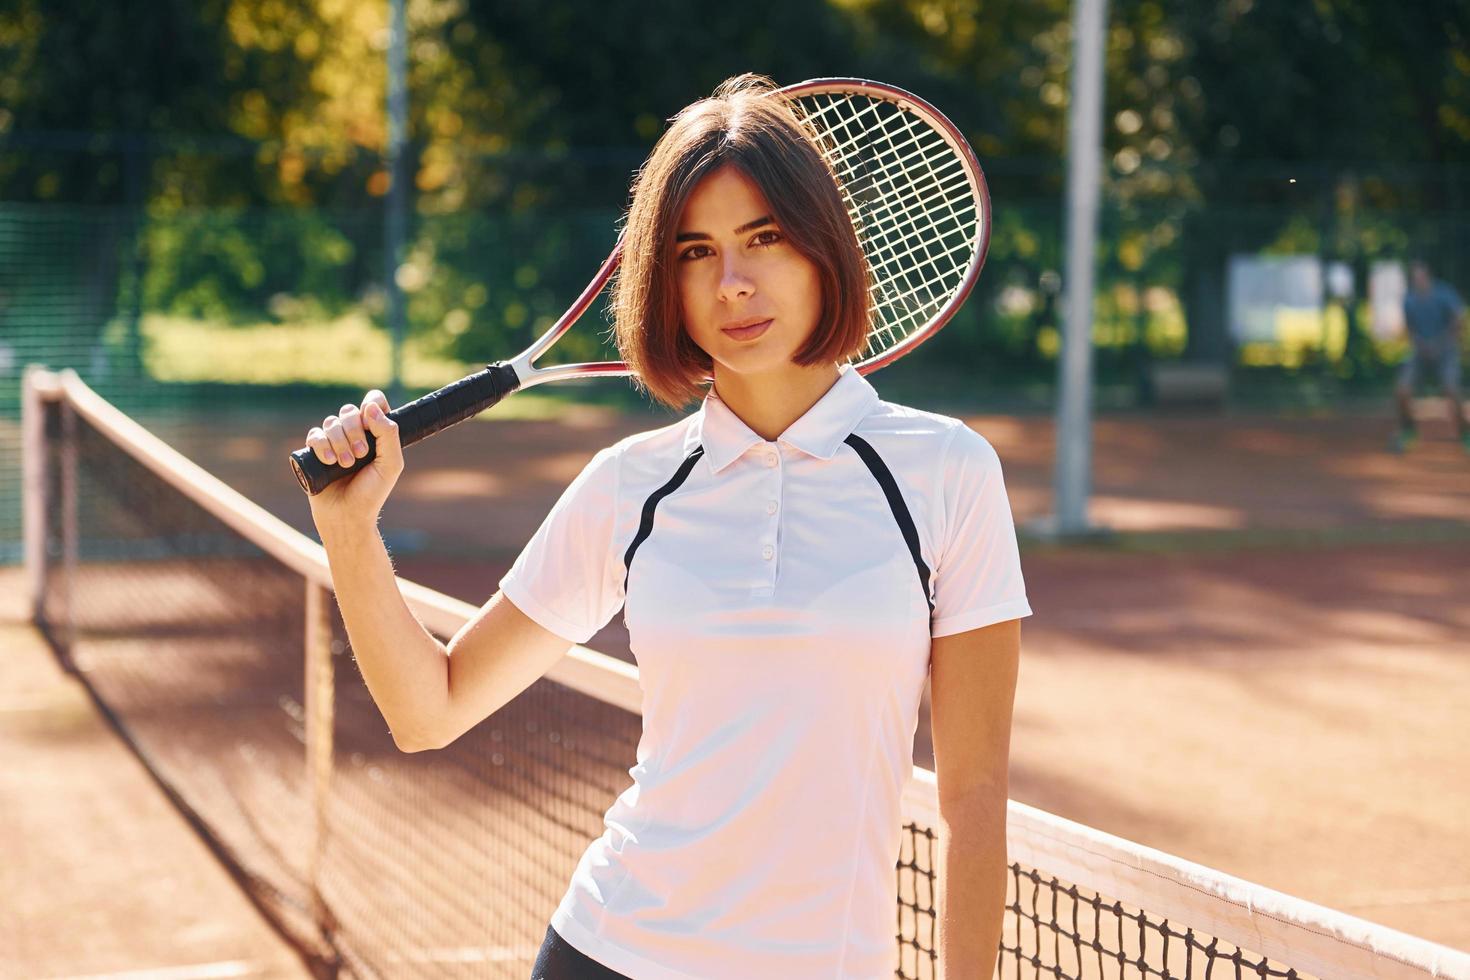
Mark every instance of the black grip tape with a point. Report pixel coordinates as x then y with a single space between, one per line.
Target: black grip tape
417 420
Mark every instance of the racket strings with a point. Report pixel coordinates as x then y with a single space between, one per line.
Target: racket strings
903 165
894 212
924 196
912 202
899 226
903 233
936 289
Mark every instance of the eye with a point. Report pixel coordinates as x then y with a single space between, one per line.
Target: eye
694 252
769 236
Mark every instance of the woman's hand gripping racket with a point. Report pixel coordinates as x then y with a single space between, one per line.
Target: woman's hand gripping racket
919 203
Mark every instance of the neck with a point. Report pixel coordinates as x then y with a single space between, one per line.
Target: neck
769 403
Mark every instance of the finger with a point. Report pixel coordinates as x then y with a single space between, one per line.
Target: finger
335 445
376 397
352 427
385 431
316 441
338 438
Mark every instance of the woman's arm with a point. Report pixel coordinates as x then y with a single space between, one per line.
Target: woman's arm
973 689
405 667
429 693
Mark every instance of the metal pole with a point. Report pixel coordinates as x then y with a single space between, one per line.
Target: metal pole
1074 369
35 517
69 545
137 240
396 223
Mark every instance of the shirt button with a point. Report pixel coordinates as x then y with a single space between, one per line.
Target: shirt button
767 552
770 507
770 459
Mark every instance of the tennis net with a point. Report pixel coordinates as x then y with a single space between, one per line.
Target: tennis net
205 631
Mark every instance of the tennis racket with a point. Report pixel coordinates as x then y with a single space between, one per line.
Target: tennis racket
918 202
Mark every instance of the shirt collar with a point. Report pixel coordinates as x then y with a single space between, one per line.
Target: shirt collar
817 433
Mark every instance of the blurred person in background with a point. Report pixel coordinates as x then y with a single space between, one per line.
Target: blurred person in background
1435 317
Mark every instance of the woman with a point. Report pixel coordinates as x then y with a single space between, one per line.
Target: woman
792 560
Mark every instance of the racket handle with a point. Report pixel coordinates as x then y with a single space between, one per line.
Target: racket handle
417 420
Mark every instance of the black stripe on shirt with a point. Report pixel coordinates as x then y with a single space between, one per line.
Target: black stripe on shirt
881 473
645 525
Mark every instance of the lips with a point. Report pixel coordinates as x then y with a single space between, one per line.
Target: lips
747 331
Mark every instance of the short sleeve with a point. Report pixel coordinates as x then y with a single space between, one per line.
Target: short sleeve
978 575
566 578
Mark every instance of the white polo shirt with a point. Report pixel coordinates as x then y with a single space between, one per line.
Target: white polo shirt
781 623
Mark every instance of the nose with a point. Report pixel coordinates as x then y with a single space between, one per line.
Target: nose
735 281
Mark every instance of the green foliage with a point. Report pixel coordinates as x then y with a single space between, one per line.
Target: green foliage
232 265
491 284
244 140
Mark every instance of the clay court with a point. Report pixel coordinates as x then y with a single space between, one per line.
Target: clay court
1264 672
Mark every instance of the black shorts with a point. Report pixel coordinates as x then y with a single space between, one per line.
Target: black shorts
559 961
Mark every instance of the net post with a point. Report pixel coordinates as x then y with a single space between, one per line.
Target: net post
320 688
36 386
68 627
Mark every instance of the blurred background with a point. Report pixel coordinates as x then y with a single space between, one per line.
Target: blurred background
183 182
1263 669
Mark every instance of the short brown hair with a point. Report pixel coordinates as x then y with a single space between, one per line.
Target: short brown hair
745 124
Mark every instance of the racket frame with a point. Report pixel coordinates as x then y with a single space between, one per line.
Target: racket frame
950 133
529 375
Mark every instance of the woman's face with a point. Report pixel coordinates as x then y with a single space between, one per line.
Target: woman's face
750 300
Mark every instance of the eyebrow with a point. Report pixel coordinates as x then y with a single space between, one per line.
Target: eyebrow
694 236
